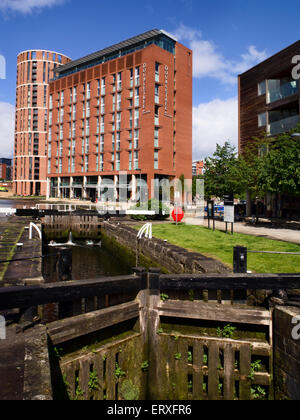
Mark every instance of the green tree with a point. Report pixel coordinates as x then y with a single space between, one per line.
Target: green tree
281 170
219 176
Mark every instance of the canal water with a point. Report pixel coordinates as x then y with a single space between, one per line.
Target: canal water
86 261
81 262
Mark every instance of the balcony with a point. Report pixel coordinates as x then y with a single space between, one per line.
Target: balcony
283 125
277 90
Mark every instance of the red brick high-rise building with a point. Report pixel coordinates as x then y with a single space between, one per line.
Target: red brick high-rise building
124 109
34 70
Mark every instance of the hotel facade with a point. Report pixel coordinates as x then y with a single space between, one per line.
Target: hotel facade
121 117
34 70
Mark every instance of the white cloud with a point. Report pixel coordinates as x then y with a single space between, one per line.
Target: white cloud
27 6
7 125
210 62
214 122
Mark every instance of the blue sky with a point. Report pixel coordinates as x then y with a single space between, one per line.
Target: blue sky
227 38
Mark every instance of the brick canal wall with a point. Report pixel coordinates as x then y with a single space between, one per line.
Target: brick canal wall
287 353
174 259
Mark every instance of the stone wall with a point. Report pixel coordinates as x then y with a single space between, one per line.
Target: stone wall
174 259
286 353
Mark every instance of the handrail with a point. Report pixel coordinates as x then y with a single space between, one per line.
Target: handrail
147 230
33 225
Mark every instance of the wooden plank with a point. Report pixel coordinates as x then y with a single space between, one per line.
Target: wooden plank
84 377
69 373
228 371
110 375
27 296
214 312
230 281
70 328
181 370
245 363
197 368
262 378
98 367
213 377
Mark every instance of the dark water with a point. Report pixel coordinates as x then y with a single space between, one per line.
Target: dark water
17 203
87 262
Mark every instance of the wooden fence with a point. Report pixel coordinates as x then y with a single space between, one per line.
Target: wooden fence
199 336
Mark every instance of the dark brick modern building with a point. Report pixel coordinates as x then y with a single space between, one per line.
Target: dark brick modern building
269 97
269 102
124 109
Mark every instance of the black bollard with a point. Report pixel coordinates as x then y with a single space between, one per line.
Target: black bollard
240 259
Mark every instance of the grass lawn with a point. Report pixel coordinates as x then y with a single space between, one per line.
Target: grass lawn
220 246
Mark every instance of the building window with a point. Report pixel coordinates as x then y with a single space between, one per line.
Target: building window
114 103
137 97
157 94
156 131
136 139
119 121
102 144
262 88
131 78
157 72
130 161
262 119
118 141
118 161
103 105
119 102
88 91
136 118
74 95
45 96
156 159
62 98
119 81
137 76
136 160
103 86
101 163
113 142
88 109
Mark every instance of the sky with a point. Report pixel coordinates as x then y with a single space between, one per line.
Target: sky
227 38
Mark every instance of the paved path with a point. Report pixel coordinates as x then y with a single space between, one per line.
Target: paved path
280 234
